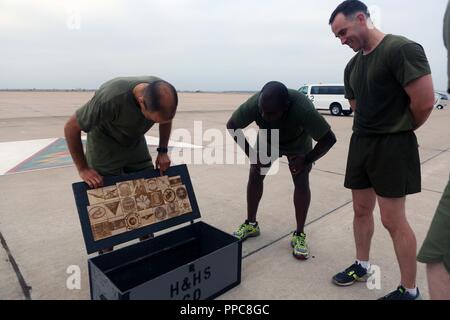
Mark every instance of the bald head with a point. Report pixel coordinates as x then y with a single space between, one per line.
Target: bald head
161 97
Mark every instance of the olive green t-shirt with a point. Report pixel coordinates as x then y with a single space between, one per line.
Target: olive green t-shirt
377 82
447 41
298 125
115 125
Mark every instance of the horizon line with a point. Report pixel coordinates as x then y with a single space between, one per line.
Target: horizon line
93 90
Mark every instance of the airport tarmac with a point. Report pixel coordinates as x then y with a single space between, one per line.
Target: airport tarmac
41 237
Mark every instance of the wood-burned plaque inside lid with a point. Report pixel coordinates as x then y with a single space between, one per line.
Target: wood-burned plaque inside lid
135 205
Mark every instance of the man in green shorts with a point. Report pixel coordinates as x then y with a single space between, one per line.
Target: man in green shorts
435 250
389 86
116 119
297 121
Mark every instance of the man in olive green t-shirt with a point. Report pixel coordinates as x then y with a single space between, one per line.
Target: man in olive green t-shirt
435 251
297 121
389 86
115 120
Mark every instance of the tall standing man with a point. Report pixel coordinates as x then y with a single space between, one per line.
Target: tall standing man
389 85
277 108
116 119
435 251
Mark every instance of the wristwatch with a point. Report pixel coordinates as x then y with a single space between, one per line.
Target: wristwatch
162 150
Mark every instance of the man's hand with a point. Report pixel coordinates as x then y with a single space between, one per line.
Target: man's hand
297 164
421 93
162 162
91 177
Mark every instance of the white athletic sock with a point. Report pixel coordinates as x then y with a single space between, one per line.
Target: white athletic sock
364 264
412 292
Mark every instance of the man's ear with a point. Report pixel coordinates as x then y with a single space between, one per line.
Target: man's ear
361 18
141 102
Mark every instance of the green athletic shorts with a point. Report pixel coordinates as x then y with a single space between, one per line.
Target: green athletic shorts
388 163
118 160
436 247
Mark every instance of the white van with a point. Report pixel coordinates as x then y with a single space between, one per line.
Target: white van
441 101
328 97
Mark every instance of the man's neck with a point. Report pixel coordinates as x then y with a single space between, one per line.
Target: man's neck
374 39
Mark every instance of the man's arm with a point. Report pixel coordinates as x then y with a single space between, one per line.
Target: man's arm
300 163
421 93
238 136
447 41
163 159
72 132
352 104
245 115
322 147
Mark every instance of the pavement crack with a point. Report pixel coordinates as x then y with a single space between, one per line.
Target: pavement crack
288 234
431 190
26 289
332 172
435 156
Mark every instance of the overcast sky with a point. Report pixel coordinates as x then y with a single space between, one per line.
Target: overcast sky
194 44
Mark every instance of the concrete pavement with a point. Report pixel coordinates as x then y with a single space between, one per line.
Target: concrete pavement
40 226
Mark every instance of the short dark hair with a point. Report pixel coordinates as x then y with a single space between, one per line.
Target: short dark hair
348 8
152 98
275 92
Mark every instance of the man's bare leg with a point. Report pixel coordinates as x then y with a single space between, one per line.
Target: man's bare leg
394 220
255 188
438 281
302 199
363 225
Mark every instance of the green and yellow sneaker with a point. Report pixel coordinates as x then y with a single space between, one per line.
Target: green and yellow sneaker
247 230
301 250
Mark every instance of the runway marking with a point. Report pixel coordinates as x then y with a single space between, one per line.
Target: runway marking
42 154
13 153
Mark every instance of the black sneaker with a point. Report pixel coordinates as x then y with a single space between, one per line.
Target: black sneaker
352 274
401 294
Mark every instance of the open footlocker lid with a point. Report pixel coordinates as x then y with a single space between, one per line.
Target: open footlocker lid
134 205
